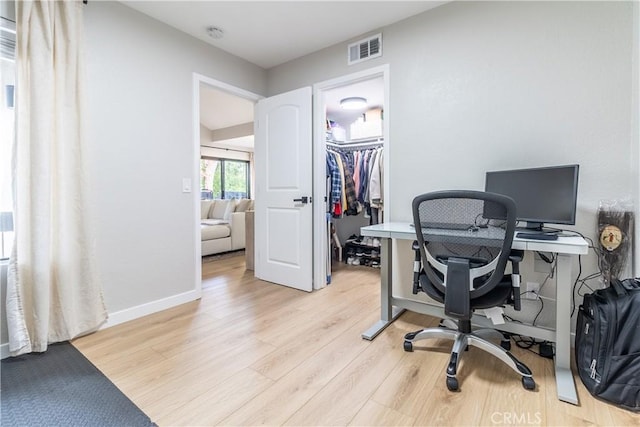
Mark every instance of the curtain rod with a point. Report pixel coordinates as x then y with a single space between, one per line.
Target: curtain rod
226 149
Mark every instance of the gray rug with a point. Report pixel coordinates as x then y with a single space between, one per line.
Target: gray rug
60 387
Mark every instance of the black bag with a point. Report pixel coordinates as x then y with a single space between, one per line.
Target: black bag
608 343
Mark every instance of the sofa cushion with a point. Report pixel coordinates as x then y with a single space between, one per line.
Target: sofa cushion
231 207
210 232
205 206
221 209
242 205
213 222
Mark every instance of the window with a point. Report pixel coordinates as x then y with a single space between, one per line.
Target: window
7 118
224 179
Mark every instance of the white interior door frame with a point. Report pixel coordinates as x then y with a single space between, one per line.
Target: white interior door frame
320 246
195 175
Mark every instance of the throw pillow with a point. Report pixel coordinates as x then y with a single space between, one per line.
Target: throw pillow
231 206
242 204
205 206
218 209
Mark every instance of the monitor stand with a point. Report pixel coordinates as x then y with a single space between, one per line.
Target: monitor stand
536 231
537 227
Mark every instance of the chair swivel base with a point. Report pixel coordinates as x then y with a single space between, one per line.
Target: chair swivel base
461 341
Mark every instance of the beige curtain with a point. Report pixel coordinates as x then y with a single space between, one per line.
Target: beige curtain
52 292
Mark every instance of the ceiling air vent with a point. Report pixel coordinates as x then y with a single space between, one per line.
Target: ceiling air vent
365 49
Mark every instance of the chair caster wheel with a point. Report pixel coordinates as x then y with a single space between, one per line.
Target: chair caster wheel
452 384
528 383
408 346
506 344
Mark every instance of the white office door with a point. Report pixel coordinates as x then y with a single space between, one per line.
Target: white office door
283 212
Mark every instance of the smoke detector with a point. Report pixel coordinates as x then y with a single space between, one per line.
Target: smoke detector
215 32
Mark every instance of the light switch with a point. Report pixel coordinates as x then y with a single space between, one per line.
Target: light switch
186 185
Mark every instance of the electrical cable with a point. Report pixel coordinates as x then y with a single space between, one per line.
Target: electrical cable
599 254
525 342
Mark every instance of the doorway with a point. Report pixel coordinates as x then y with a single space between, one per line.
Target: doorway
223 133
373 86
320 92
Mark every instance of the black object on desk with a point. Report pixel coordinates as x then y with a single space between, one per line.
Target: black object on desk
537 236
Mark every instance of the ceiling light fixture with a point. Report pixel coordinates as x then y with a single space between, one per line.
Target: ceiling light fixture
353 103
215 32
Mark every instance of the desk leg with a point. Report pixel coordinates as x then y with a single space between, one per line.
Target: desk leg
387 312
565 384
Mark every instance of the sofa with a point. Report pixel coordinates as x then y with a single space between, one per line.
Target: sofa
222 225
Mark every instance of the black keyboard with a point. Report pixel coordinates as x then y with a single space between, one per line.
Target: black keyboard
537 236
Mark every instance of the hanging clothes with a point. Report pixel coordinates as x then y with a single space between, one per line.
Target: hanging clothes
376 189
335 194
351 179
351 205
343 198
375 181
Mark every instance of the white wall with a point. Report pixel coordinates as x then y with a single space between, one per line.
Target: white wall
477 86
140 136
205 134
237 131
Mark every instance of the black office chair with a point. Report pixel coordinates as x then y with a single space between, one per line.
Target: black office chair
461 263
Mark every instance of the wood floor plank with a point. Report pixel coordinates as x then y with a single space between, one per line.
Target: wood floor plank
201 372
375 414
588 411
413 379
344 396
508 402
311 336
208 401
254 353
280 401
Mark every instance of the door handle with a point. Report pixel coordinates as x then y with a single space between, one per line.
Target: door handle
304 200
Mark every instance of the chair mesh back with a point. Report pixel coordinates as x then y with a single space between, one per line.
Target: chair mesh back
452 225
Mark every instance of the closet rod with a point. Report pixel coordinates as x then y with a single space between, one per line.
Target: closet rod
355 146
379 140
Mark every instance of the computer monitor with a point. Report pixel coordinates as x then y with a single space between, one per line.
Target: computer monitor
542 195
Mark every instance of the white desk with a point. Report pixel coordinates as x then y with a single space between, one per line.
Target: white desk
565 247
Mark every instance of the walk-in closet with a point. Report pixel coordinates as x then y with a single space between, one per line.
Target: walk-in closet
354 172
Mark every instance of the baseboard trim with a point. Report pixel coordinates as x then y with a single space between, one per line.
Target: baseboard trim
136 312
146 309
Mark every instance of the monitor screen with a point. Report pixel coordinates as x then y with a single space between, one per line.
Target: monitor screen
542 195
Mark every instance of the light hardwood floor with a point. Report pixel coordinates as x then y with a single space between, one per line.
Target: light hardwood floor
253 353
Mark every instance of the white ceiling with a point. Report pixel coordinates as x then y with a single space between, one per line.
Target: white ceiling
269 33
219 109
262 32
